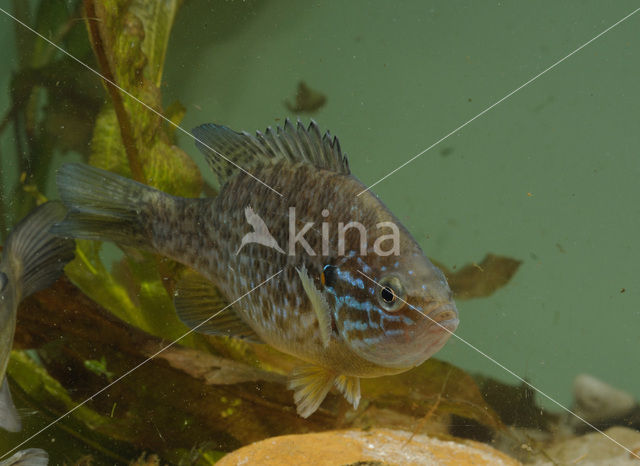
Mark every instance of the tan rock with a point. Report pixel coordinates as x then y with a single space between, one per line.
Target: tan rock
597 401
594 449
377 446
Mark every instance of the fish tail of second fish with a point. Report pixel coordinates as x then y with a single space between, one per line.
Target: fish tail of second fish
104 206
32 259
9 418
29 457
37 257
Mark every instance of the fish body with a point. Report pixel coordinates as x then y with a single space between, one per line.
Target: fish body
332 299
32 259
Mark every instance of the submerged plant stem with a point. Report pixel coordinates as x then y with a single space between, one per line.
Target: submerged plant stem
126 130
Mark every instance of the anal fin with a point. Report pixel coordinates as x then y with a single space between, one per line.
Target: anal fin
349 386
197 299
9 419
310 385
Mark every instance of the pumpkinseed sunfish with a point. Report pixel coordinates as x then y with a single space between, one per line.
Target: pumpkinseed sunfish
32 259
352 289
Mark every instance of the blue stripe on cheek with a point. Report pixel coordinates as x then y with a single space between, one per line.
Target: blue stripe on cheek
395 318
364 265
354 325
347 277
364 306
372 322
355 304
372 340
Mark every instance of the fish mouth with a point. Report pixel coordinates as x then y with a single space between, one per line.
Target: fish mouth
443 319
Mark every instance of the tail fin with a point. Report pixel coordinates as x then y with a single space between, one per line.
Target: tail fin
29 457
32 259
103 206
9 418
33 255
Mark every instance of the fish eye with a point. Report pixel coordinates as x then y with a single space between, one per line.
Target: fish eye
388 295
328 277
391 294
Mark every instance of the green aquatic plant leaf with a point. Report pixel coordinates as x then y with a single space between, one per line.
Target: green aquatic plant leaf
99 367
137 298
89 273
107 150
157 19
137 273
36 386
130 41
174 112
35 380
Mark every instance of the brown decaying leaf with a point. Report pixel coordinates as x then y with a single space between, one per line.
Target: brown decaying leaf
483 279
214 370
307 100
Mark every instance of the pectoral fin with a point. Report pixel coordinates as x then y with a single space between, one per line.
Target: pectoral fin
9 419
196 299
319 304
310 385
349 386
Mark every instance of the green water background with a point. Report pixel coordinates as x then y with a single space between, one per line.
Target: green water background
549 176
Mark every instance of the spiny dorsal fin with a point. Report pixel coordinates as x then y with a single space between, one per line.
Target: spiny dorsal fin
196 299
310 384
227 151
